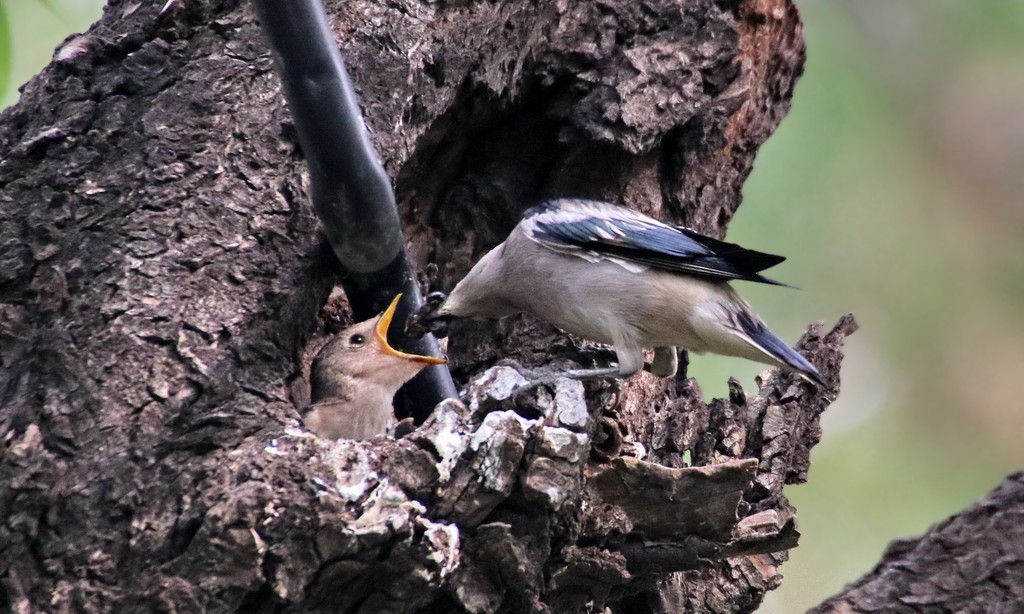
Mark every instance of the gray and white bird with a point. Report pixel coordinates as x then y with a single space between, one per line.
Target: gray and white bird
354 378
614 275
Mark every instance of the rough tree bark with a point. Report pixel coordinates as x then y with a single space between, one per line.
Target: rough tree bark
164 284
971 562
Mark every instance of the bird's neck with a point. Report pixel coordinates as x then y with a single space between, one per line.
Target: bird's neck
484 292
344 407
330 386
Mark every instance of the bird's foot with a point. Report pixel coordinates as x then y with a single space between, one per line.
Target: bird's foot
546 376
668 362
592 374
662 368
535 378
403 428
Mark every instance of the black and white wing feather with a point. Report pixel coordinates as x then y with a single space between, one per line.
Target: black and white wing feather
595 231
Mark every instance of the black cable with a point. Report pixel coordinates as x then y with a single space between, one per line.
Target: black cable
352 194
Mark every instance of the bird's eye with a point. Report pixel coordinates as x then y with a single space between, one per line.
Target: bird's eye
356 340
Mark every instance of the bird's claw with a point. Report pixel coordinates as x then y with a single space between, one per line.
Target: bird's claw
535 378
546 376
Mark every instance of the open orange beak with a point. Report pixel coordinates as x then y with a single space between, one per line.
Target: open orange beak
382 338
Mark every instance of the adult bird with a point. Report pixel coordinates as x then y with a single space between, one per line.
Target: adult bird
614 275
354 379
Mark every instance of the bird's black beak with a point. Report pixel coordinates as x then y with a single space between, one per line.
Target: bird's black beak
427 319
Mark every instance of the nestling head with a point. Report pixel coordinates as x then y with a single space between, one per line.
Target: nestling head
362 352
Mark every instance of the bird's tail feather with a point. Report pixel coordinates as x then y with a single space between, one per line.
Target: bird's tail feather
778 349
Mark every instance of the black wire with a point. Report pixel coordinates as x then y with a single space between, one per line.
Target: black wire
352 193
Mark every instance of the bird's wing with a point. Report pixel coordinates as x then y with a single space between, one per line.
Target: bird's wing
600 231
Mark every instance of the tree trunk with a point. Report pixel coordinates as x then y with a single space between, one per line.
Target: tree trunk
971 562
164 285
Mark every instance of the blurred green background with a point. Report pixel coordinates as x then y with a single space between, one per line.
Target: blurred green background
894 187
29 32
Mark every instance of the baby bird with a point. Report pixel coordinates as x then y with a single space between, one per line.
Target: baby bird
354 378
614 275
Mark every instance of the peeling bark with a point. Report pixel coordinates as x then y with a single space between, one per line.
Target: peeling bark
164 285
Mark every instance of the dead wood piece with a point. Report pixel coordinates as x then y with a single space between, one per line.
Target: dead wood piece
493 389
661 502
488 470
694 552
554 471
776 427
588 575
501 571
